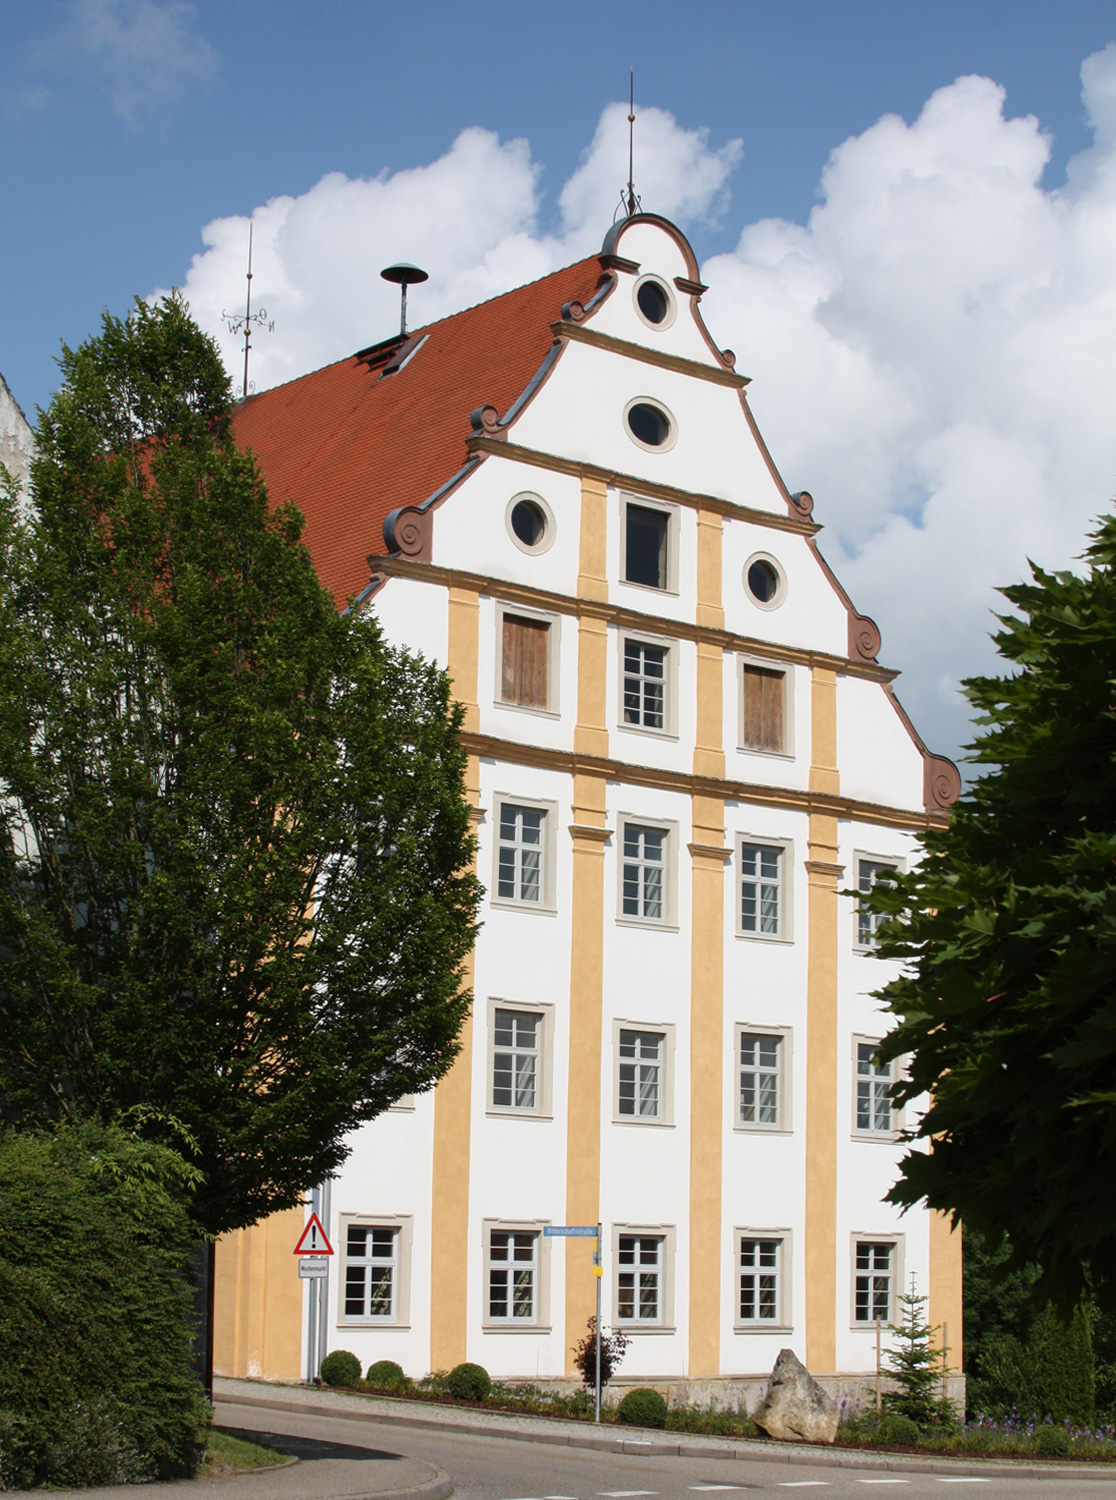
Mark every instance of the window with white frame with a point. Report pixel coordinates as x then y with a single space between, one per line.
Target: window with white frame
764 708
649 544
763 908
528 645
640 1075
875 1113
869 872
761 1057
513 1276
760 1280
516 1059
639 1279
645 679
375 1270
521 854
643 889
875 1271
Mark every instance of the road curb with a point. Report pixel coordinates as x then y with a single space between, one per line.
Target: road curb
706 1447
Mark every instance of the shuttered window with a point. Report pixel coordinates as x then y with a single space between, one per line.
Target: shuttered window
764 692
525 659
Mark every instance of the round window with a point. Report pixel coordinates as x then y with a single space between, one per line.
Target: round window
530 523
653 301
648 424
765 581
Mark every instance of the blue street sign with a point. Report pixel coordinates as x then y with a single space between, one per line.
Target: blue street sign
571 1231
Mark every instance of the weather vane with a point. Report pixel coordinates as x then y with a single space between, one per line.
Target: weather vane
629 202
244 322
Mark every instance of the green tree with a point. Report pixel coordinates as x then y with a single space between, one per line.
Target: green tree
235 855
1007 933
1064 1378
96 1377
915 1365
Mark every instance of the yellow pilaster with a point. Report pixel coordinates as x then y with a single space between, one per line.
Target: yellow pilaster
587 898
449 1209
257 1327
945 1308
823 871
707 959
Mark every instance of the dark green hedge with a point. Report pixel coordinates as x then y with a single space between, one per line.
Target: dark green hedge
96 1380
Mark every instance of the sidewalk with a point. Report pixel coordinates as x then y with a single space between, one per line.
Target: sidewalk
322 1401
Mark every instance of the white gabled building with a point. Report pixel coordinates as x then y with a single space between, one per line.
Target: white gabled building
682 750
16 438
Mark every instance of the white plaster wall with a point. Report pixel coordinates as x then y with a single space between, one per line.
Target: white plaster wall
413 614
878 759
16 442
811 616
470 528
579 412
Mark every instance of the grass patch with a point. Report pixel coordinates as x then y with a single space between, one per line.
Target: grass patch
225 1454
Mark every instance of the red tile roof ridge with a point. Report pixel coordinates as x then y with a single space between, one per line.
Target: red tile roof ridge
425 328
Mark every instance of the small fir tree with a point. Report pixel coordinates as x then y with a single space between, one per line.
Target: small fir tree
916 1366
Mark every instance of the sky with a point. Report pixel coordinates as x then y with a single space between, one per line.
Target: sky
905 213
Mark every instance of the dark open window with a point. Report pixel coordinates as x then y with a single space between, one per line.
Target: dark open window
525 649
764 692
646 547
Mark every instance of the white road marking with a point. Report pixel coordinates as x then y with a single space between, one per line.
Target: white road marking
718 1486
804 1484
623 1494
961 1479
884 1481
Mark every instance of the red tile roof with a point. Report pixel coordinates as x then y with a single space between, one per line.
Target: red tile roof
348 447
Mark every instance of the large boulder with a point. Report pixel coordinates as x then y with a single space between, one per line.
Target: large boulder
795 1407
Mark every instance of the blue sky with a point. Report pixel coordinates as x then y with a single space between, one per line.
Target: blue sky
906 214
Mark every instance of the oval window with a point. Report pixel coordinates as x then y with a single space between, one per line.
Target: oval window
528 523
653 301
764 581
648 425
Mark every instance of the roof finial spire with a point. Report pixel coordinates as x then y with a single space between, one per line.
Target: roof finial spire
247 318
629 201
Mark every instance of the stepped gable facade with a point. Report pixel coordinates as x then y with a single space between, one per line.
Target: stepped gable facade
683 753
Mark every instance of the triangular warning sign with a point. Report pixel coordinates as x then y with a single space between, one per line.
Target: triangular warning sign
313 1240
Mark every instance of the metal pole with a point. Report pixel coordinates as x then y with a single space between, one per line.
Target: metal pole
248 312
323 1281
598 1273
312 1308
879 1394
403 311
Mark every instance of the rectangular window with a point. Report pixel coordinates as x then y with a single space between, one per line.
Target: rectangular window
760 1080
760 1286
646 537
761 890
525 669
640 1091
512 1276
515 1059
763 710
872 1280
645 684
868 873
644 873
520 858
874 1112
371 1271
639 1279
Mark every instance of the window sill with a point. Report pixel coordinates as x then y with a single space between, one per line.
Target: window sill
493 1113
529 907
523 708
648 729
647 924
643 1124
763 1328
516 1328
642 1328
759 937
741 1129
877 1137
766 754
648 588
381 1324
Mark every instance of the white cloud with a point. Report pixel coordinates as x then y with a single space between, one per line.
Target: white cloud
931 352
140 52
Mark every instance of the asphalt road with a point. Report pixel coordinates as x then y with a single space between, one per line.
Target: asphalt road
495 1468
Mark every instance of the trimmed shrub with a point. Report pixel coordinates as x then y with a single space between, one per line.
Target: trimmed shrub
643 1408
1064 1371
896 1428
1052 1442
97 1384
468 1382
340 1368
386 1375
